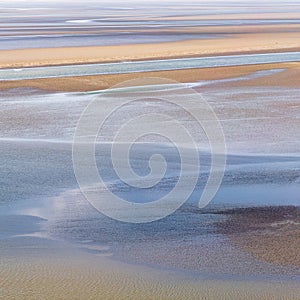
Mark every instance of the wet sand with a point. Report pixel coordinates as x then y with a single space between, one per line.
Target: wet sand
271 234
262 240
33 268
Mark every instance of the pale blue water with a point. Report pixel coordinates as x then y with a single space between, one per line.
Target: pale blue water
39 193
37 132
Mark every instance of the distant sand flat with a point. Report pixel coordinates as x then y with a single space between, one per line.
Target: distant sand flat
234 44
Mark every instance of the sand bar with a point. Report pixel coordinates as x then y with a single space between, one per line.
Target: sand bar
237 44
289 77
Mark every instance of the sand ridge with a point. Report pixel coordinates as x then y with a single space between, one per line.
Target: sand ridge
235 44
288 78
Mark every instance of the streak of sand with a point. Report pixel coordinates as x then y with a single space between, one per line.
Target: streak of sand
43 271
289 77
234 44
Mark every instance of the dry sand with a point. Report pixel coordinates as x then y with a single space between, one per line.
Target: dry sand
289 78
39 269
234 44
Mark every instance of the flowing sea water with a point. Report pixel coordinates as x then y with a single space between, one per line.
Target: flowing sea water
37 178
40 128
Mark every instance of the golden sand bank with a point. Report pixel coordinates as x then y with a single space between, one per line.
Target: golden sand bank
233 44
289 77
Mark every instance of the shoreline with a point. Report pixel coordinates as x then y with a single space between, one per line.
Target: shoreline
265 236
60 272
41 260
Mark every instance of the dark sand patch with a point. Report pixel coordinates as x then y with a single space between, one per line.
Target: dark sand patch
271 234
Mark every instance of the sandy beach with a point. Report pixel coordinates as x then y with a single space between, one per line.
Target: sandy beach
55 245
52 272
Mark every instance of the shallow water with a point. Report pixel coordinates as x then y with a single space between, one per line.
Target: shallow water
37 177
37 133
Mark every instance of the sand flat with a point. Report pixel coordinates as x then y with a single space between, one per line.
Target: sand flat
237 44
36 268
39 268
287 78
